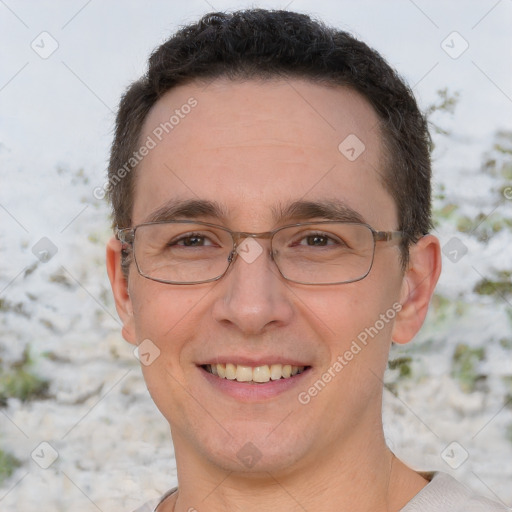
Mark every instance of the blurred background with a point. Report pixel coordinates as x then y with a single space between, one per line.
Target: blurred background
78 429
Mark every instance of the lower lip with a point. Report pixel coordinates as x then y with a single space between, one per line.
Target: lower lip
249 392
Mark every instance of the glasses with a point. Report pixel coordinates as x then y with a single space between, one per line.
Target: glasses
193 252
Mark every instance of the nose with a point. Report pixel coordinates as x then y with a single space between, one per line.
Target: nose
253 296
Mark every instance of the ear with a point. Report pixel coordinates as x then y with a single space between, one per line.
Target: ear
120 289
418 285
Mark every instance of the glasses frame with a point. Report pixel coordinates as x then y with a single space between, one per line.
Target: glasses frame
127 237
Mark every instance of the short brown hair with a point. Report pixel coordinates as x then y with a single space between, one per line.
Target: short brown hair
258 43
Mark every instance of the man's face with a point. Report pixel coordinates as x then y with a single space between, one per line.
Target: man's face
255 148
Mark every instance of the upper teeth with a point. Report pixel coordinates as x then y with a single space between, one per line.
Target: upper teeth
263 373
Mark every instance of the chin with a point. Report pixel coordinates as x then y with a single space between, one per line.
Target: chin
254 453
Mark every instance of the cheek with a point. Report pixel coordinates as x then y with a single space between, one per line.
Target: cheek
167 318
355 321
160 309
339 313
373 308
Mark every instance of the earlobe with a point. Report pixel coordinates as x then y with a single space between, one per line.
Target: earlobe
418 286
120 289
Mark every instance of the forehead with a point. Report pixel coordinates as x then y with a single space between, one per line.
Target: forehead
256 146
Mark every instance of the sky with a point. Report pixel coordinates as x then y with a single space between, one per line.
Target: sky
58 109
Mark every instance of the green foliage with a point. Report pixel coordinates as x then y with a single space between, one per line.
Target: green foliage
20 382
61 278
403 365
483 226
447 102
8 463
439 192
78 177
23 385
445 308
506 343
440 304
499 286
498 161
447 211
17 307
465 363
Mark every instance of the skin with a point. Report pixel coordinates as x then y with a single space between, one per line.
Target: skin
252 146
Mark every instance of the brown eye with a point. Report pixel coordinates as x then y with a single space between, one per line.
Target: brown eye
316 240
191 240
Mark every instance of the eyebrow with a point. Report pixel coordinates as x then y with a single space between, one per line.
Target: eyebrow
187 208
328 209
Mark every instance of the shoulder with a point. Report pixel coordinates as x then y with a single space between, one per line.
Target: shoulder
445 494
151 506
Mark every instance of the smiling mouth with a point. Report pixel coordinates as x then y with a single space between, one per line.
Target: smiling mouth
254 374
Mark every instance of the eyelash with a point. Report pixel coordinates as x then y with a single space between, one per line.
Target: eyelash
298 239
186 236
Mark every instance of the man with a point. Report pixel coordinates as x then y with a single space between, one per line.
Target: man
270 183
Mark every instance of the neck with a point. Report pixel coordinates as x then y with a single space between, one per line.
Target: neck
358 475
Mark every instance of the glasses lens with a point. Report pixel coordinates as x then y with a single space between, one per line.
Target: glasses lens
311 253
182 252
324 253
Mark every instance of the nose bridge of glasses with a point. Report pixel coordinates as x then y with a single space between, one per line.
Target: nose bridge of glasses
240 236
